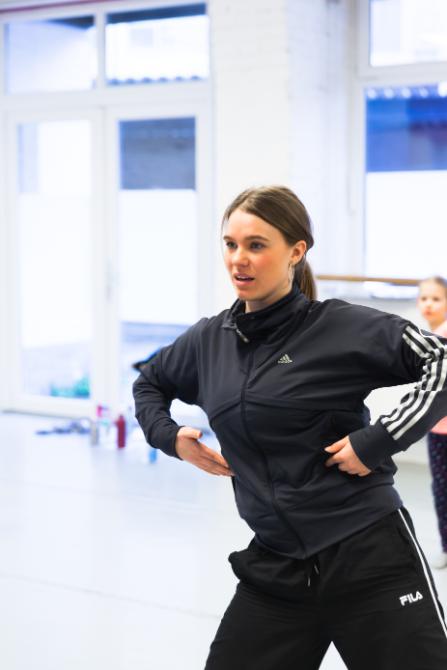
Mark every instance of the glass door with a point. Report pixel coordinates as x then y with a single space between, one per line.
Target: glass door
54 189
157 235
112 248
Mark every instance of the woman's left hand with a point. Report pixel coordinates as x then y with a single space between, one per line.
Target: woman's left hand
346 458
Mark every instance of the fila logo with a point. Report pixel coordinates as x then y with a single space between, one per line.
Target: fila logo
410 598
285 359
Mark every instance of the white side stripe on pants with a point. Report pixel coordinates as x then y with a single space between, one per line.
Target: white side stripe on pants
427 577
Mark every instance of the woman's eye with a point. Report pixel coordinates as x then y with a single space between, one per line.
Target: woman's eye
255 246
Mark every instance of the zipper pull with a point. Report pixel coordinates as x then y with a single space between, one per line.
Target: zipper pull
242 336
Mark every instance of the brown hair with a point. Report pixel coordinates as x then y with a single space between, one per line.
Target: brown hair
283 210
437 279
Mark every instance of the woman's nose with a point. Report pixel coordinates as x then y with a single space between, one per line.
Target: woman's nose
240 257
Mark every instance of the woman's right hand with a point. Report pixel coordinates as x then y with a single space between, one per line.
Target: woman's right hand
189 449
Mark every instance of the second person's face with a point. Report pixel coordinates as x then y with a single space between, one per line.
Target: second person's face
258 259
432 302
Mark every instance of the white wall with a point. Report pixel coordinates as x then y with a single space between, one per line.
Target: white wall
252 120
321 69
282 74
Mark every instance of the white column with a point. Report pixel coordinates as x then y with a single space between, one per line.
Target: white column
250 70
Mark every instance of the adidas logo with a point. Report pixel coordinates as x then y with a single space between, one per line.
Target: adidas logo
285 359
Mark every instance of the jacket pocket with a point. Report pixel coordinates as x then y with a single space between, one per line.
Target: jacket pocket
270 573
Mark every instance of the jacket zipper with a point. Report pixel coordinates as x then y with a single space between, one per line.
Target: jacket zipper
243 337
248 431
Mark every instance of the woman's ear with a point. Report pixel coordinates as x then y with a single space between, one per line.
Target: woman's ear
298 251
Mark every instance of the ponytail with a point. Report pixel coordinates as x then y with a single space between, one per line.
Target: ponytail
305 279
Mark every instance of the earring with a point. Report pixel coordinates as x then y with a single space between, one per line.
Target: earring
291 271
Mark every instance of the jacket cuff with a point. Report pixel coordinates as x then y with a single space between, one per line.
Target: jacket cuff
163 437
373 444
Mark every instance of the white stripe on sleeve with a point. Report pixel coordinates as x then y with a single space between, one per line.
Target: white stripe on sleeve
418 402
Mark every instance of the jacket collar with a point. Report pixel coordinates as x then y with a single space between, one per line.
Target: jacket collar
263 322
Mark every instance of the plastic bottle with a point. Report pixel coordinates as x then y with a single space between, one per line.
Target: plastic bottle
94 432
103 414
120 424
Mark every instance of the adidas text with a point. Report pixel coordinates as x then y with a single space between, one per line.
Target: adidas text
410 598
285 359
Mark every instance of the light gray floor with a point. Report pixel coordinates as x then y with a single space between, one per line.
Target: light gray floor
108 561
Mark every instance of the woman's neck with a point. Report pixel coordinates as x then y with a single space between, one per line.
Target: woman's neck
266 301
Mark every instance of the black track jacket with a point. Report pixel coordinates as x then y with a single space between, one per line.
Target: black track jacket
279 385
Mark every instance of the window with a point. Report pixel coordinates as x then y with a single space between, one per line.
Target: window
158 154
50 55
54 233
157 45
406 180
407 31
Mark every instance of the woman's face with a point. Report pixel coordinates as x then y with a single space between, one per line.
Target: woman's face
258 259
432 302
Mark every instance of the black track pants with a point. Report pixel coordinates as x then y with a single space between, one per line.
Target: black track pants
372 595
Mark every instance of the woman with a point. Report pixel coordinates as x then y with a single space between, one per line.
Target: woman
283 378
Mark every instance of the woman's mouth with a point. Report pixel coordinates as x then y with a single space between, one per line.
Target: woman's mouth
241 279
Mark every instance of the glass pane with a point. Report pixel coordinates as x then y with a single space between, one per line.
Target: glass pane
54 257
406 180
413 31
156 45
158 237
51 55
158 154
